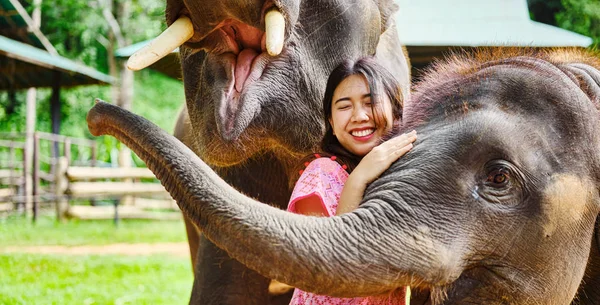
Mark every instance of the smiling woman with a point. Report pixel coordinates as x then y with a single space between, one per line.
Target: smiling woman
361 105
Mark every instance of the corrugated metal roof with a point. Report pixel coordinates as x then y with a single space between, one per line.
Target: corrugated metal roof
475 23
24 66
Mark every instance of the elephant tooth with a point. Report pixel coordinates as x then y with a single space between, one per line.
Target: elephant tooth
175 35
275 31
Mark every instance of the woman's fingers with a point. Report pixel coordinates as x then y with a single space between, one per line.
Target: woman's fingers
400 142
400 152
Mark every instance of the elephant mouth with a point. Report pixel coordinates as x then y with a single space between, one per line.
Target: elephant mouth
242 46
240 50
238 53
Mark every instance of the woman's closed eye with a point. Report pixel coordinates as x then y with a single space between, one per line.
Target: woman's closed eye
343 105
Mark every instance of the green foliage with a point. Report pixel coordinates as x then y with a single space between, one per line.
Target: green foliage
19 231
74 27
47 279
156 97
79 30
581 16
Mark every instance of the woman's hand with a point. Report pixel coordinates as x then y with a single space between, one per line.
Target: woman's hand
382 156
370 167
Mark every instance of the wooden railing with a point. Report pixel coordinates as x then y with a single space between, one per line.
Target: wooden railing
24 189
65 171
90 182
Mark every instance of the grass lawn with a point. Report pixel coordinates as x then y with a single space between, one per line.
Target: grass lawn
27 278
49 279
18 231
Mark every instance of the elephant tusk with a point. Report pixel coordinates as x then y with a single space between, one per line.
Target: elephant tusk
175 35
275 31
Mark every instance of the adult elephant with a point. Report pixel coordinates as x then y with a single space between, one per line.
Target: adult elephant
254 73
496 203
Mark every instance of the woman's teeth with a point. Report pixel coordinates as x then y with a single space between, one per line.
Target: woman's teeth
362 133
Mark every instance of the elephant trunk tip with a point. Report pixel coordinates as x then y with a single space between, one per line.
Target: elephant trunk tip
95 117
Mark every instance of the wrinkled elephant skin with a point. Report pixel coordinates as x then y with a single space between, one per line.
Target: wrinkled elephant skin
496 203
252 116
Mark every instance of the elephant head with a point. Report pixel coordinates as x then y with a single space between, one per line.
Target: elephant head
495 204
255 84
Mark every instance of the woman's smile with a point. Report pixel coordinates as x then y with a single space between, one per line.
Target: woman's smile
359 123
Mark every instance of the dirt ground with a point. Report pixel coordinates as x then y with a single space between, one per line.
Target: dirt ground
177 249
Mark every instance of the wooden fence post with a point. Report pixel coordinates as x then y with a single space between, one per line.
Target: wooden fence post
67 149
94 154
60 186
36 174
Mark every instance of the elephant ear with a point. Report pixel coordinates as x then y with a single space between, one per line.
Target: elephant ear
389 46
387 10
587 76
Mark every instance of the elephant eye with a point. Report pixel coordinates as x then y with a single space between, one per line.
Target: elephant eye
498 177
501 183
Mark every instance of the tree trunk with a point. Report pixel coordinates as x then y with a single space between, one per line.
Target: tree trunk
125 89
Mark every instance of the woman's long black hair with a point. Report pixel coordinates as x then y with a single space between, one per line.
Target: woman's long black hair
381 82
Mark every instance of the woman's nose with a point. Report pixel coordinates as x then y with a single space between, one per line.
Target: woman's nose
360 115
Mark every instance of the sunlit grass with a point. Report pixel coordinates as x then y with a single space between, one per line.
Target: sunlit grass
50 279
19 231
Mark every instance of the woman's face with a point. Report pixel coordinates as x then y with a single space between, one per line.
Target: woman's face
356 126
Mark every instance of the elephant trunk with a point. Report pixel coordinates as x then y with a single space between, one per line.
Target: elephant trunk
343 256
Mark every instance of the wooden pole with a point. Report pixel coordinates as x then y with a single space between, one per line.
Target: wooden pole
55 111
36 175
60 186
13 169
30 124
94 153
67 150
28 151
11 163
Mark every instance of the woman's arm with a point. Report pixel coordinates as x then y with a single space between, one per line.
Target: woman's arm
312 194
370 167
311 205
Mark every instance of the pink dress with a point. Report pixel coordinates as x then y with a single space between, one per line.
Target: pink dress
325 179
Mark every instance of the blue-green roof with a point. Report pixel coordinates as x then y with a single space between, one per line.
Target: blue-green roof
475 23
24 66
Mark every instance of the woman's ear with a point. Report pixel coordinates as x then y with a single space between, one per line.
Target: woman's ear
331 123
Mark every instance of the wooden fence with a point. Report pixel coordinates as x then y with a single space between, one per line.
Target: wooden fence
91 182
64 171
24 187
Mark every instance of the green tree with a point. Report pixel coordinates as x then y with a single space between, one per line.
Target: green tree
80 29
581 16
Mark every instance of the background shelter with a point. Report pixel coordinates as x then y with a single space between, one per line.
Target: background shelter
431 28
28 61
